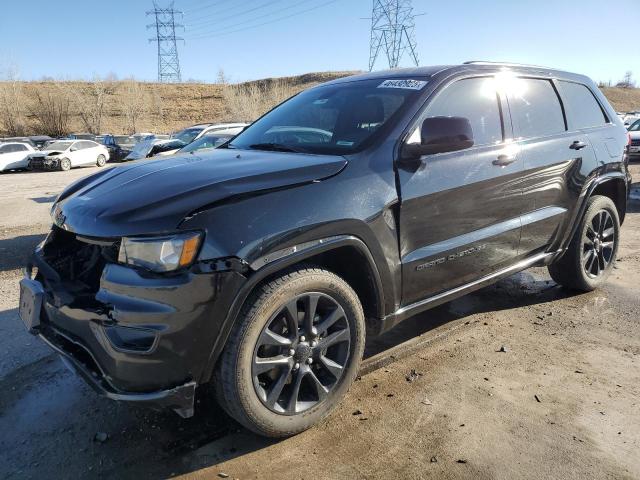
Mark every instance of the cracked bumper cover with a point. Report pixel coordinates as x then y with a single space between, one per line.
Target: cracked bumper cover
183 312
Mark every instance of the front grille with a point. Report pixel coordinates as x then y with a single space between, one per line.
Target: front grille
635 142
78 261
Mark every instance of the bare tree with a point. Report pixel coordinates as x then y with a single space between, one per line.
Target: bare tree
51 110
134 104
12 105
158 106
248 101
91 102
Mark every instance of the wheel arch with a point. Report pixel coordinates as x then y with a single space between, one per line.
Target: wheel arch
616 189
345 255
612 185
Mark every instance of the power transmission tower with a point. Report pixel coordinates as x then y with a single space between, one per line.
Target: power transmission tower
165 27
392 28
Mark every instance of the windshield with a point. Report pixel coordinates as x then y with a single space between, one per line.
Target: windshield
59 145
208 141
188 134
635 126
123 139
334 119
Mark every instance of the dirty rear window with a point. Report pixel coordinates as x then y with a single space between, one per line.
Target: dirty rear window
335 119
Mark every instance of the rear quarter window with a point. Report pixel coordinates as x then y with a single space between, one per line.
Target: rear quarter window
583 110
535 108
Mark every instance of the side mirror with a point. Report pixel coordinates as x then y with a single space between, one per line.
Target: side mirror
440 135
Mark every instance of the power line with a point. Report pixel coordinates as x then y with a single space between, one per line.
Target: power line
165 28
220 34
199 7
209 16
207 23
253 19
392 27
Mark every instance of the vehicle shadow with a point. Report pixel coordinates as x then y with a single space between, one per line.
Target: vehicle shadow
48 199
48 414
211 437
15 251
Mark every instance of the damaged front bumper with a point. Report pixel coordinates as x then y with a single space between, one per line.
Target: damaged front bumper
136 337
180 398
44 163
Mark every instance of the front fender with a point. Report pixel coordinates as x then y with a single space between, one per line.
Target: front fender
277 261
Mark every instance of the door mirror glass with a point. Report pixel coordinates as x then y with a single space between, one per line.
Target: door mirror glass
441 135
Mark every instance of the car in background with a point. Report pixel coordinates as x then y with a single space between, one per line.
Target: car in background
26 140
83 136
153 146
206 142
14 155
39 140
194 132
119 146
66 154
629 118
634 139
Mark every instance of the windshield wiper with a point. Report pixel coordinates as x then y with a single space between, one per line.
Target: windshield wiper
276 147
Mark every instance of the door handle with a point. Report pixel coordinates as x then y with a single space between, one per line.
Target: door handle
504 160
577 145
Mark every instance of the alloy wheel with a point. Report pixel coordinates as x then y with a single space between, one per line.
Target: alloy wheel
301 354
598 244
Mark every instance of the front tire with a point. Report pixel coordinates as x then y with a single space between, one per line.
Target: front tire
293 354
588 261
101 161
65 164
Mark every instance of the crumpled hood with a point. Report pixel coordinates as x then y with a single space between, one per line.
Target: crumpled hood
45 153
635 135
153 196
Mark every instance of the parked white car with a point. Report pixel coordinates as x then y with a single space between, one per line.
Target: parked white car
14 155
66 154
194 132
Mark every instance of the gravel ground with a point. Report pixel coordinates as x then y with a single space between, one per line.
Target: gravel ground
439 398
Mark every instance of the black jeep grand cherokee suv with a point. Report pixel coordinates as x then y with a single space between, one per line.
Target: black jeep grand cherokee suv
350 207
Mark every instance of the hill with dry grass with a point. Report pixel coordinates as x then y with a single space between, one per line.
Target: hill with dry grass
57 108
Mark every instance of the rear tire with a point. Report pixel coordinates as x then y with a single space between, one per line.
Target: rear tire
101 161
284 370
65 164
588 261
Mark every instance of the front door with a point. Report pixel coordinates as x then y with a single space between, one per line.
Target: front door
460 211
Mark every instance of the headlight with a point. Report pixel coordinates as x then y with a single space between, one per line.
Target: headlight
160 254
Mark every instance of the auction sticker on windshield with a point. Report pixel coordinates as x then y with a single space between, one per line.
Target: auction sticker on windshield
403 83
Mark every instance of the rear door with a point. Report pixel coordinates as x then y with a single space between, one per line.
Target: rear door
85 154
460 211
553 157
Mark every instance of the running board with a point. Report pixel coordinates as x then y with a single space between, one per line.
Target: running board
403 313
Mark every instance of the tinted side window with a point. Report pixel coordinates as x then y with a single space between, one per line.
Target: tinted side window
474 99
583 109
19 148
5 148
535 108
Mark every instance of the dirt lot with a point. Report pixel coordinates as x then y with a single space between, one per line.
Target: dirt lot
563 400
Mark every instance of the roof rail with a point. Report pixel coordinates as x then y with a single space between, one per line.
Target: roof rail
511 64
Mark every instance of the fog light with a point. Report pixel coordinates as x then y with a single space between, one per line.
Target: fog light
138 340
